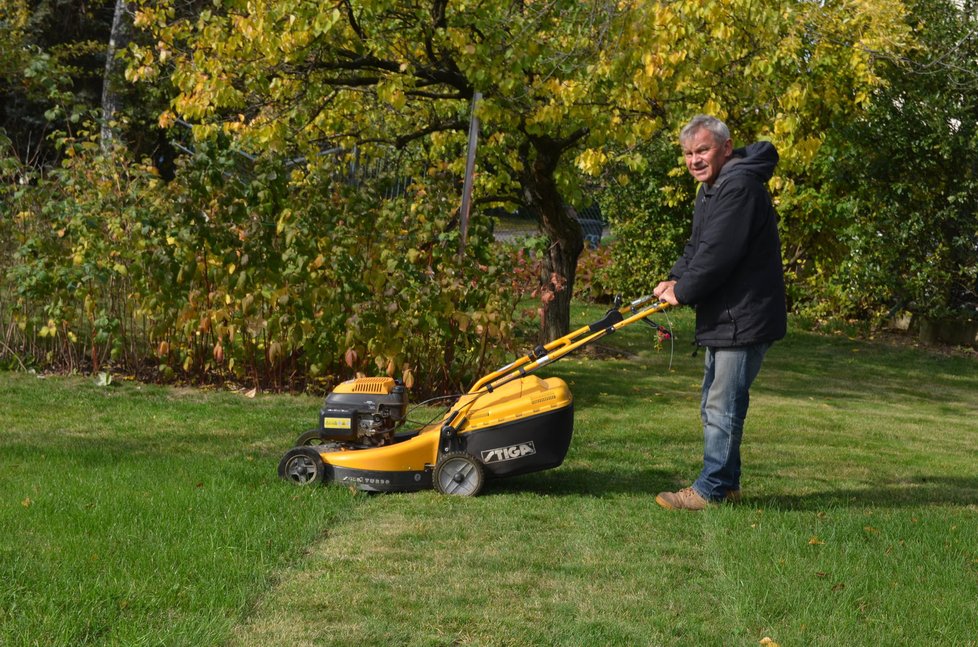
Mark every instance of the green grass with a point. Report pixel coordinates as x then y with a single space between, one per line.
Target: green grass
137 515
143 515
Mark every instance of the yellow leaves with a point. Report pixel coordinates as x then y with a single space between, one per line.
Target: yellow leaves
50 330
566 91
794 97
815 541
167 119
676 57
721 31
142 66
592 161
712 107
785 125
245 26
652 64
767 642
392 95
807 148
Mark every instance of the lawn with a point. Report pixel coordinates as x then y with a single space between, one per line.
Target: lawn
141 515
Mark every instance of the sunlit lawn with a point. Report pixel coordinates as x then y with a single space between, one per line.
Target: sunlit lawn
136 515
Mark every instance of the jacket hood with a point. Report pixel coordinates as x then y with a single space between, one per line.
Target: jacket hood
758 159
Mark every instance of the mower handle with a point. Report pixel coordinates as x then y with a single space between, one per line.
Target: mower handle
616 318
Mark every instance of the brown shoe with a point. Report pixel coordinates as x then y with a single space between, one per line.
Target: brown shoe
685 499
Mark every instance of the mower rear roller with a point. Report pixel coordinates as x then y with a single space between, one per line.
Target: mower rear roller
460 474
302 466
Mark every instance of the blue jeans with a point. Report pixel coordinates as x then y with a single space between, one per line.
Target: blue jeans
727 377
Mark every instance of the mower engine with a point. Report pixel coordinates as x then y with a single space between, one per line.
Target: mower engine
365 411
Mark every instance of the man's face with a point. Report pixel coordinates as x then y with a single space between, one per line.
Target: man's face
705 156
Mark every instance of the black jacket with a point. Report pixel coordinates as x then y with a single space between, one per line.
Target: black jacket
730 269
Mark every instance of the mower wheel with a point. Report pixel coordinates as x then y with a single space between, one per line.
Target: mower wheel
311 437
460 474
302 466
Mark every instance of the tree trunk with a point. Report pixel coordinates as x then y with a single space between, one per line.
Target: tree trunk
559 223
111 96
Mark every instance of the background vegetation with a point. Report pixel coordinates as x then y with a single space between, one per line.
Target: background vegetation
269 193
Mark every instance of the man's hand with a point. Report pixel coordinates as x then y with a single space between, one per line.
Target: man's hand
665 292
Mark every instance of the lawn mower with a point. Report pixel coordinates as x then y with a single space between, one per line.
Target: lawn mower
510 422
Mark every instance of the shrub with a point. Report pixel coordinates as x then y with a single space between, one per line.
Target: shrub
268 275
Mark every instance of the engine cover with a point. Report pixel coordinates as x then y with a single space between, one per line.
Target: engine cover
366 410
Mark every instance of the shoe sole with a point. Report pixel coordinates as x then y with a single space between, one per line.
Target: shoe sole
662 502
665 504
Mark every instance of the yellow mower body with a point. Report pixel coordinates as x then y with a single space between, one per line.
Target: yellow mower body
510 422
505 428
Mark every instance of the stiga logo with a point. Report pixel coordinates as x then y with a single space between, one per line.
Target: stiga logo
508 453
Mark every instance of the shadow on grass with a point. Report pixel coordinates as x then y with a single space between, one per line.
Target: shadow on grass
576 481
917 491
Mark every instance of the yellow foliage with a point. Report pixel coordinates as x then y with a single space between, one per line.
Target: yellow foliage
592 161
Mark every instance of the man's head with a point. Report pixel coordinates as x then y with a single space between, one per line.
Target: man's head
706 146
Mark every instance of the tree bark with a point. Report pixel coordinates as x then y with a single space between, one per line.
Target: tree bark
559 223
119 38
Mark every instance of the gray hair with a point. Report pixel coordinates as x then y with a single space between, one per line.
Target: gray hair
719 129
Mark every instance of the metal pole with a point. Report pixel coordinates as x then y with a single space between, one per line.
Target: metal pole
469 171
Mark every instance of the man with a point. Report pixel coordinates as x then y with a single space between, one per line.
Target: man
730 271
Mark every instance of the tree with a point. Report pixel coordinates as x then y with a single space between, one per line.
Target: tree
119 38
906 173
790 72
568 86
52 70
358 75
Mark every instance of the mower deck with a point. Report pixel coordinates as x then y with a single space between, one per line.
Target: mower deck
510 422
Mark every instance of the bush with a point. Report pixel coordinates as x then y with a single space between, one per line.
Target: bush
270 275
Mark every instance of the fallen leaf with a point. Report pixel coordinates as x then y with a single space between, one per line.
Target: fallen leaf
27 502
815 541
251 393
768 642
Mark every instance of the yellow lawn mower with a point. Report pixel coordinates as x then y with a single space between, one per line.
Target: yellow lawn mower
510 422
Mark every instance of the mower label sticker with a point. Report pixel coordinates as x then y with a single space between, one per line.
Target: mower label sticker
508 453
337 423
366 480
